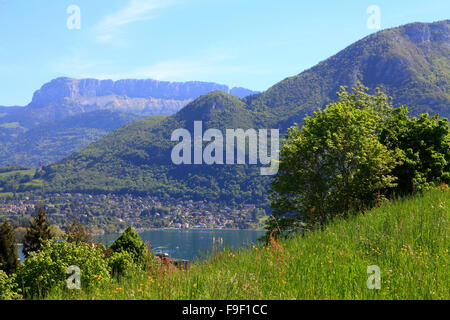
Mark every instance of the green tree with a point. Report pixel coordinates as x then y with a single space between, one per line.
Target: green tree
77 233
359 98
121 264
334 163
423 146
47 269
38 232
131 242
8 248
8 287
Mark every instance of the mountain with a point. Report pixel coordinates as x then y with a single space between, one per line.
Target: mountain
46 142
411 62
137 158
35 134
64 97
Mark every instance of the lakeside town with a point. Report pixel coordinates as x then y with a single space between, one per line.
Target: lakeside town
109 213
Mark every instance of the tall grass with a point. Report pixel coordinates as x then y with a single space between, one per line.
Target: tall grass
406 238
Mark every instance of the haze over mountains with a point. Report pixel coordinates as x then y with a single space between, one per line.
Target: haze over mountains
89 109
411 62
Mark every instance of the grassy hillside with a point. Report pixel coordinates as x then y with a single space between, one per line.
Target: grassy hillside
13 177
408 239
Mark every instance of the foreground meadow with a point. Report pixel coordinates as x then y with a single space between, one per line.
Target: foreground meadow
406 238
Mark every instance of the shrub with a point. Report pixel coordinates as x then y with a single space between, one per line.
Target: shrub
423 145
8 287
46 269
132 243
121 264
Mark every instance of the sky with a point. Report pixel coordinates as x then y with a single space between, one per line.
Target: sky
247 43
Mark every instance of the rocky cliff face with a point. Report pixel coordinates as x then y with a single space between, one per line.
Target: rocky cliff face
62 89
66 97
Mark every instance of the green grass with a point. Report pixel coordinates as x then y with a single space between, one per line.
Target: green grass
406 238
23 172
35 183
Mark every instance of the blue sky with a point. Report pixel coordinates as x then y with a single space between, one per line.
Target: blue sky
248 43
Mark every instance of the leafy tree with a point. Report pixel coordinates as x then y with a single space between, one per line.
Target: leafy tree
47 269
423 145
20 234
77 233
8 287
56 231
334 163
359 98
131 242
38 232
8 248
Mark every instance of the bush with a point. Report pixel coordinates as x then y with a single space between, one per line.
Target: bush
46 269
423 145
8 287
121 264
132 243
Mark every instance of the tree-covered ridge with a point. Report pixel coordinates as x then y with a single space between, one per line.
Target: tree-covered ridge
411 62
136 158
54 140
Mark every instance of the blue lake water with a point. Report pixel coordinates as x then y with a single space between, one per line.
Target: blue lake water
189 244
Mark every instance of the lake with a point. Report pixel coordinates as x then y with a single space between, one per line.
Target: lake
189 244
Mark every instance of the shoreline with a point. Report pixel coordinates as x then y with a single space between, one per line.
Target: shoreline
180 229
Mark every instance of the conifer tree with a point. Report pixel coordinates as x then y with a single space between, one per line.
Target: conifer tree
38 232
8 248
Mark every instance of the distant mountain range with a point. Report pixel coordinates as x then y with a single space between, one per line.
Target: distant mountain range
66 96
67 114
411 62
